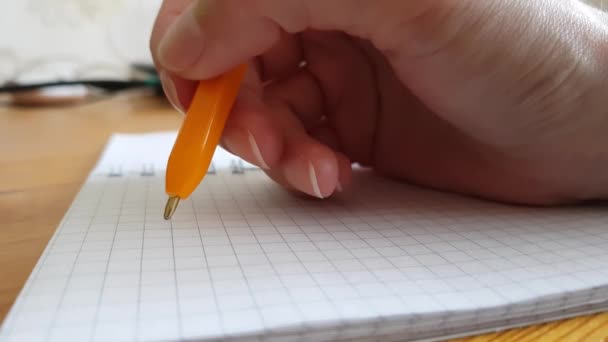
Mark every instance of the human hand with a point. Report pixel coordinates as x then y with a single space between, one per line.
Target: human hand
500 99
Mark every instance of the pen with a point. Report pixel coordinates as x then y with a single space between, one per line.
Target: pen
199 135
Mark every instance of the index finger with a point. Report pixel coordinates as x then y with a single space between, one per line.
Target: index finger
178 90
169 11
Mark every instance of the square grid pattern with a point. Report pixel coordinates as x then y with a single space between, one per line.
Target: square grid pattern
242 259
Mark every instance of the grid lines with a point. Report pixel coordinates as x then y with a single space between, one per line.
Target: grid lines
244 259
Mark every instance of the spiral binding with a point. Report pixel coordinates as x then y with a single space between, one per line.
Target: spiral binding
237 167
147 170
211 170
115 171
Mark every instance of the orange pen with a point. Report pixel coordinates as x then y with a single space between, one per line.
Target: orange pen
199 135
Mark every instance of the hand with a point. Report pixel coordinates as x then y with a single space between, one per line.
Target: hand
499 99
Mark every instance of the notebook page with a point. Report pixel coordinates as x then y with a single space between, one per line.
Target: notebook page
242 258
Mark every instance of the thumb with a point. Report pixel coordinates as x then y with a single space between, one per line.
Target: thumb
210 36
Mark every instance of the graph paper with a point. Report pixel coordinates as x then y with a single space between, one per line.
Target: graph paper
244 260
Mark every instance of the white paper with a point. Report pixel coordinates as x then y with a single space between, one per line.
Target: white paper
243 259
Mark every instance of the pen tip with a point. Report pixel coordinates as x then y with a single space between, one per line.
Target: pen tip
172 203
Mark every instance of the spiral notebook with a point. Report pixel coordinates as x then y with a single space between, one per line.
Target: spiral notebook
244 260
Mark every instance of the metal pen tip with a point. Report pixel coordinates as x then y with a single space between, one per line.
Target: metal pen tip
172 203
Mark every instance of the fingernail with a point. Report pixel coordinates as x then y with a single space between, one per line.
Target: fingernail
339 187
255 149
170 91
302 176
313 180
182 44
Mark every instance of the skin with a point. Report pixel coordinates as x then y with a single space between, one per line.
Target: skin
499 99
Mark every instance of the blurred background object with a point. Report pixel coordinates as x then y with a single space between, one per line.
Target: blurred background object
47 42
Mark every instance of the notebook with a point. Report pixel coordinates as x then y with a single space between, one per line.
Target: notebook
243 260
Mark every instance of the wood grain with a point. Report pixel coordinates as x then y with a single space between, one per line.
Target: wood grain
46 154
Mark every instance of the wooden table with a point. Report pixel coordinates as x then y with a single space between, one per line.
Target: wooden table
45 155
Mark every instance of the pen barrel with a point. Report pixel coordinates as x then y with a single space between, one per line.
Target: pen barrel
201 131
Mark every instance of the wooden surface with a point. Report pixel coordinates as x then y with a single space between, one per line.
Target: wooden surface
46 154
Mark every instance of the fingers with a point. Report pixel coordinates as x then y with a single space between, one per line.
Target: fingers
343 182
351 90
250 134
214 33
310 167
179 91
281 60
302 94
267 133
169 11
210 36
